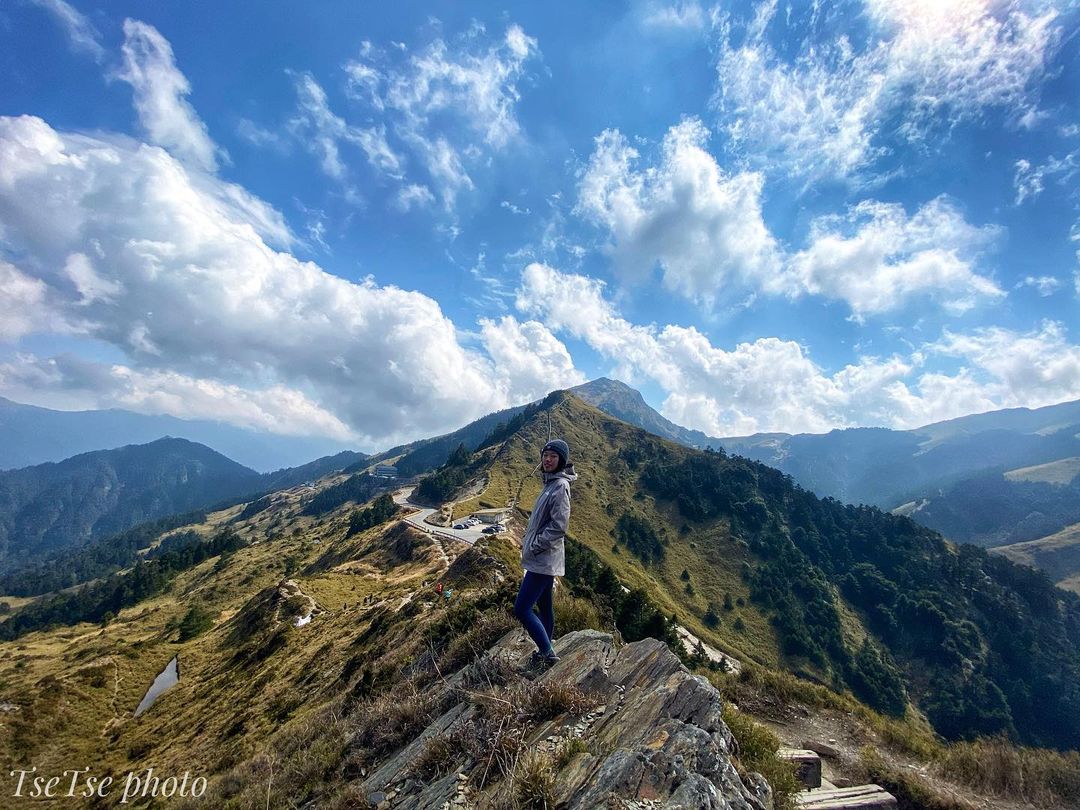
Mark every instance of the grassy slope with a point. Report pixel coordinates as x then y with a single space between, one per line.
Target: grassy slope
1058 555
1055 472
80 685
603 491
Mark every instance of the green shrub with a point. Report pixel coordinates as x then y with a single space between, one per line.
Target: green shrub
757 752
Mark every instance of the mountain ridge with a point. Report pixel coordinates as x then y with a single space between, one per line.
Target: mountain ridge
31 435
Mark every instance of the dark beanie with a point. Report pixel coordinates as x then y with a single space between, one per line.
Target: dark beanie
561 448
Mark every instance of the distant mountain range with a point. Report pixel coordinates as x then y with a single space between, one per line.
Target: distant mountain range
992 479
32 435
48 508
888 468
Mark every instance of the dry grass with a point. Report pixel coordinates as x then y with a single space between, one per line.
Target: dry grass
999 768
573 613
547 700
912 790
436 758
757 752
495 736
911 734
534 782
395 717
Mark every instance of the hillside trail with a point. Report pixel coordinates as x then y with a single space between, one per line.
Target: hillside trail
796 725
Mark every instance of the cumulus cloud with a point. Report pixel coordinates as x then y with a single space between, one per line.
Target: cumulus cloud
172 268
700 225
771 384
530 360
23 305
80 31
877 258
69 379
820 113
160 96
705 230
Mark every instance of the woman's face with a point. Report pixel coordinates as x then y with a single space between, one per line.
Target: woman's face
549 460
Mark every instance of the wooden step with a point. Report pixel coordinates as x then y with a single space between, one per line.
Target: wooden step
862 797
807 765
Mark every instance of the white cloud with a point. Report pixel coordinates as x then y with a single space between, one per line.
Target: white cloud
1029 180
705 230
703 227
771 384
439 98
445 168
819 114
676 16
81 32
176 276
528 358
877 258
258 136
317 126
90 286
1035 368
23 306
478 86
160 96
1044 285
276 408
413 196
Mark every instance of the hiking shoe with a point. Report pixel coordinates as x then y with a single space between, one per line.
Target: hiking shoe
538 663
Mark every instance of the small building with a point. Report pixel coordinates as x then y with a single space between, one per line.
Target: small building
385 471
492 515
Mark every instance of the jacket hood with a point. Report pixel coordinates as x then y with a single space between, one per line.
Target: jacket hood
566 472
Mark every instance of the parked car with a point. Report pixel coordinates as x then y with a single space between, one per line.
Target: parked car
461 525
498 528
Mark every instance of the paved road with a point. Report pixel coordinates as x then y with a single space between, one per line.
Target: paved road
401 498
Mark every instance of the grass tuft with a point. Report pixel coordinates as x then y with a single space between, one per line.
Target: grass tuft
757 752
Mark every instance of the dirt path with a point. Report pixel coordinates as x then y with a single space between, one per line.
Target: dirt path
797 725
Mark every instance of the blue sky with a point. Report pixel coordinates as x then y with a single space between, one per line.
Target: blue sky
377 224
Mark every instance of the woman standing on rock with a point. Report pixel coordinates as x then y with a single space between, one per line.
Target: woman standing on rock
543 555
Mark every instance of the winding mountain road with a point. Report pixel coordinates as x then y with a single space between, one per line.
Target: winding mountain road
417 518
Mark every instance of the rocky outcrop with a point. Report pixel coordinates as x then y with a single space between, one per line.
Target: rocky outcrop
650 735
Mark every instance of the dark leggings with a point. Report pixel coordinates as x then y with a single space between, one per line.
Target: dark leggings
536 590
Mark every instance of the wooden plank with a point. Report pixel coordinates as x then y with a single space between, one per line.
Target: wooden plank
807 765
860 797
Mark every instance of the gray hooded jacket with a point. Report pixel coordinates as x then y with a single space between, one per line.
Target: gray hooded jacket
542 550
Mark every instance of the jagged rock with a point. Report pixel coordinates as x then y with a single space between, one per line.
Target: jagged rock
658 729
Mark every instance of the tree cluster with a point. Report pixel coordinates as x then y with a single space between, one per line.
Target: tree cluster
381 510
356 488
997 644
99 559
633 613
638 535
449 478
104 599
